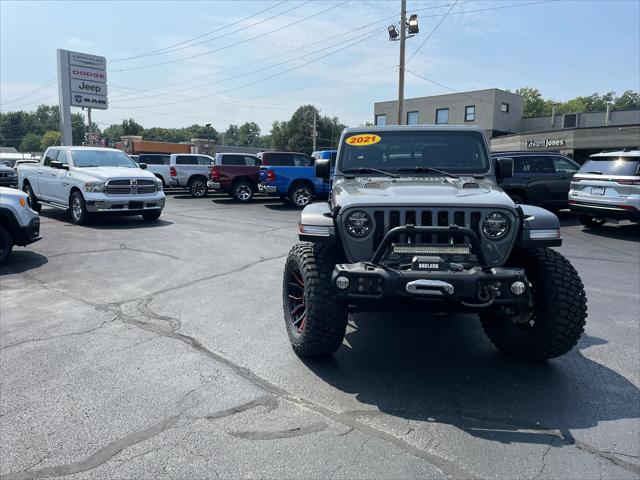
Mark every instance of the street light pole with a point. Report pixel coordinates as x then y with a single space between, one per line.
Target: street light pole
403 37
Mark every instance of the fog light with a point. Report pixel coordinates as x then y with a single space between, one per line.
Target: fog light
342 283
518 288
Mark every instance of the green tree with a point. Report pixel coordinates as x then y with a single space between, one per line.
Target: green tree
533 103
232 135
49 139
248 134
113 133
130 127
30 143
628 99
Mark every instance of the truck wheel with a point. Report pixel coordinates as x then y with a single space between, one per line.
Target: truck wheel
78 209
591 222
242 191
6 245
198 187
33 201
316 319
557 314
300 196
151 216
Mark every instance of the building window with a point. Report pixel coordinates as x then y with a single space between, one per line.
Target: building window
442 116
381 120
504 108
412 118
470 113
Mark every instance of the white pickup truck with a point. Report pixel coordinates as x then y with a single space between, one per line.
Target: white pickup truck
87 180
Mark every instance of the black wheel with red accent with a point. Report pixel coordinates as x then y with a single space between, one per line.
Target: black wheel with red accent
315 318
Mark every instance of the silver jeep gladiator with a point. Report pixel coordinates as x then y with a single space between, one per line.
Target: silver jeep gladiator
415 220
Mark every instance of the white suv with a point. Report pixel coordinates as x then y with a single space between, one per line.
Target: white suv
607 187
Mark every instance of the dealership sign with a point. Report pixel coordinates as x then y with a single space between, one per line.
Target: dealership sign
545 142
83 79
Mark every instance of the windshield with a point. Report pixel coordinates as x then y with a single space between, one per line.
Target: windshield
102 158
395 151
611 166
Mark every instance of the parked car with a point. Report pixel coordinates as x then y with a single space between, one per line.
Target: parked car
607 187
539 178
158 164
8 177
19 224
415 221
90 180
292 176
190 171
237 174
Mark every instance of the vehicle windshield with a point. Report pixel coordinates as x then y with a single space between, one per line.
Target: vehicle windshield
102 158
413 152
611 166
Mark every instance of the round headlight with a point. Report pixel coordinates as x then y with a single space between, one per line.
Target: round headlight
495 225
359 224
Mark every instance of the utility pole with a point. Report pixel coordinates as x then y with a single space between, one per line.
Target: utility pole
315 131
403 37
90 127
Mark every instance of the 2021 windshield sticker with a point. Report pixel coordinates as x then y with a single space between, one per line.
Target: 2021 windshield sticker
363 139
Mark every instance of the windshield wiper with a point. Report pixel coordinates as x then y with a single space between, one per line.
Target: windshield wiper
428 169
596 172
369 170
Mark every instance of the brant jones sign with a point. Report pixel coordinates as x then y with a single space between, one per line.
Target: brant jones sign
545 142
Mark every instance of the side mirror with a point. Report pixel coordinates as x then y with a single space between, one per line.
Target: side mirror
504 167
59 165
142 165
323 169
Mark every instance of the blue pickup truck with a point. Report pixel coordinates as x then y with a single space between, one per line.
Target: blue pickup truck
292 176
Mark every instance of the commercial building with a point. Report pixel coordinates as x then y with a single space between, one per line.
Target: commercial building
499 113
134 145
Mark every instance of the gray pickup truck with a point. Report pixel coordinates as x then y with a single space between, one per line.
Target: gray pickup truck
19 224
416 220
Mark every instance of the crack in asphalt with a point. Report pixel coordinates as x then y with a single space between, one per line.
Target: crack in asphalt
121 247
569 438
277 434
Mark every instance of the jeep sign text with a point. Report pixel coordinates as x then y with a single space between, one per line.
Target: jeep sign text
82 86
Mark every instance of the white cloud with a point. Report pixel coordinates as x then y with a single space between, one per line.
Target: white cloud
79 43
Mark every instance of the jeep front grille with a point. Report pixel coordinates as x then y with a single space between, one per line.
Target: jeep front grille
130 186
428 243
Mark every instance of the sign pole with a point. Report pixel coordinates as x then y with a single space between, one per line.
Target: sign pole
64 97
90 127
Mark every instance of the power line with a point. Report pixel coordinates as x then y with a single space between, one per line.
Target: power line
44 86
240 42
169 48
432 32
447 87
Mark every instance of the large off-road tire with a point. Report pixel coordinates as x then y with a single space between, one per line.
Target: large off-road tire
590 221
315 318
300 195
78 209
198 187
242 191
6 245
558 312
33 201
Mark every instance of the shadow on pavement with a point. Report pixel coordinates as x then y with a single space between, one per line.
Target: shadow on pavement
443 369
227 200
23 260
622 231
105 220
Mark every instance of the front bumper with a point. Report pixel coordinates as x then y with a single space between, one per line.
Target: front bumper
11 182
608 210
472 289
29 234
98 202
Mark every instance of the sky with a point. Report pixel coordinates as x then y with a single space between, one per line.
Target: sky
223 62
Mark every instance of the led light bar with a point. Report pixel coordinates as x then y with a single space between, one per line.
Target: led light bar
544 234
421 248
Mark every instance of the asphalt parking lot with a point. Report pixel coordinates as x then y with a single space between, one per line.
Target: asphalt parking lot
139 350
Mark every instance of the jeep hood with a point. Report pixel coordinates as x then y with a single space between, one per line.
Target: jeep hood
111 173
422 191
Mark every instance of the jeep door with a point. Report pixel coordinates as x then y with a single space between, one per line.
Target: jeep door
565 169
539 175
